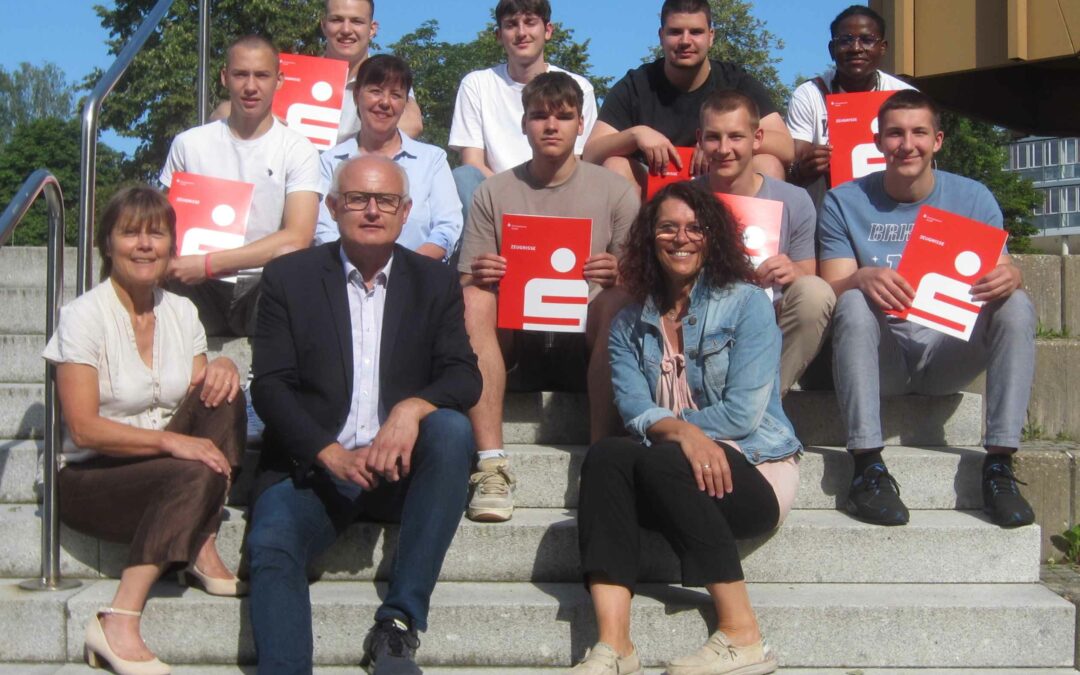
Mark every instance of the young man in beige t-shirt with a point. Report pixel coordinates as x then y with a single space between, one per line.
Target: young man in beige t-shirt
553 183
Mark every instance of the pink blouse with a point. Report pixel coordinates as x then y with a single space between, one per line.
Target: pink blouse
673 393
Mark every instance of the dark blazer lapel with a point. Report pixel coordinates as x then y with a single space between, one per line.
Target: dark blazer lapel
398 292
338 297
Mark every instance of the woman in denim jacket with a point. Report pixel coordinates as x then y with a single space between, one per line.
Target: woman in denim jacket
712 458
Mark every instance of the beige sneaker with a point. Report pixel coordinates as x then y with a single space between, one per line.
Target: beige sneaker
492 491
602 660
720 657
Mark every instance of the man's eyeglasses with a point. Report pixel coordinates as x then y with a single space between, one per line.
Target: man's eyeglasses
849 41
384 201
694 232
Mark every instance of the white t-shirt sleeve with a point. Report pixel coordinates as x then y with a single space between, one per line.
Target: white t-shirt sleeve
174 162
191 323
466 129
302 168
588 112
802 116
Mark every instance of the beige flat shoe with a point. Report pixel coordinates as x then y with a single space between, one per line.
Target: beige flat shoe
98 652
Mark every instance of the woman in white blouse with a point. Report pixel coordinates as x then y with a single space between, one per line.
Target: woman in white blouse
153 430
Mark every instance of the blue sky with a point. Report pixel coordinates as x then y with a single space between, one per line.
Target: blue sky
68 32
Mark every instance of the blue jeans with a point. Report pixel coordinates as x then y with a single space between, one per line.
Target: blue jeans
875 356
291 525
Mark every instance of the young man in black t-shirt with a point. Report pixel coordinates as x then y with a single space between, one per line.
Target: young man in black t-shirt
654 108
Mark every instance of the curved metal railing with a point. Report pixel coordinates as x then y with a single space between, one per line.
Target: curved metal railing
43 181
90 121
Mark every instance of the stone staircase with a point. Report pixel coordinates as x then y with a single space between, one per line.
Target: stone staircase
949 593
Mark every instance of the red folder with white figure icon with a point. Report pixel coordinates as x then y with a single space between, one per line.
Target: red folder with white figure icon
852 125
944 257
544 288
670 173
760 221
211 213
311 96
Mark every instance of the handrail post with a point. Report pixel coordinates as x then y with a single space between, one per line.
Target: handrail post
41 180
203 93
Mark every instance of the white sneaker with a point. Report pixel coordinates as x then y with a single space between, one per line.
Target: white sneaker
603 660
492 491
719 657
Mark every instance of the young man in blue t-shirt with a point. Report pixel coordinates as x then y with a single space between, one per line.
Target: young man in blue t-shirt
862 231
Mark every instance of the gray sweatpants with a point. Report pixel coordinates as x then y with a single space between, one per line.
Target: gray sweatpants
876 355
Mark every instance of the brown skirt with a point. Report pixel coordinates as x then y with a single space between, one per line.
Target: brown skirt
164 507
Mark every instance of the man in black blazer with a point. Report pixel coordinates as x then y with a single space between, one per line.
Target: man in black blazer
362 373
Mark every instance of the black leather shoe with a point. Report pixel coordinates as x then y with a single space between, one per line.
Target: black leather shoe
1002 500
875 497
390 649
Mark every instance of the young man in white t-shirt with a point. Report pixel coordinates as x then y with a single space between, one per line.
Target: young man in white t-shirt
486 129
349 26
857 46
253 147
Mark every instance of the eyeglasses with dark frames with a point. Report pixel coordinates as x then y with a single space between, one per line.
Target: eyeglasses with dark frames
386 202
847 42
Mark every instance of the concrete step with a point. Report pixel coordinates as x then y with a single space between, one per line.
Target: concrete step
542 545
550 625
27 266
939 478
24 309
82 669
549 418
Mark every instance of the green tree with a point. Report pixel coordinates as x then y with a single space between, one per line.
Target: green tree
53 144
439 66
744 39
978 150
156 98
32 92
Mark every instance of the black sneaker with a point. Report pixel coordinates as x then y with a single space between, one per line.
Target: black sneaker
1002 500
875 497
389 649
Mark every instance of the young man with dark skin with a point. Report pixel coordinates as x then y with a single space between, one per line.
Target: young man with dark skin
554 182
857 46
349 26
728 135
251 146
862 232
654 108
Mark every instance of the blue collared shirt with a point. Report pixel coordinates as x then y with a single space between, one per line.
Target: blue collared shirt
365 315
435 217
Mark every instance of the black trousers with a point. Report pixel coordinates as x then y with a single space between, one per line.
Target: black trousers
626 486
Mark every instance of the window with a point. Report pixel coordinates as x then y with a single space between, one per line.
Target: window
1069 150
1053 200
1038 154
1069 199
1053 152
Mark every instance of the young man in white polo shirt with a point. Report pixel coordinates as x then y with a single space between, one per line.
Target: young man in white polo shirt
486 129
253 147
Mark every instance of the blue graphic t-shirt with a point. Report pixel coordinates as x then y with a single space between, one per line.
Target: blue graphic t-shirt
859 220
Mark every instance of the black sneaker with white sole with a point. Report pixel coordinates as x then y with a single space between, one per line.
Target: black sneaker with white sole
390 649
875 497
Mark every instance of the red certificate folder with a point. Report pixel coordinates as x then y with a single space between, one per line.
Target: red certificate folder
760 220
544 288
311 96
211 213
670 174
944 257
852 124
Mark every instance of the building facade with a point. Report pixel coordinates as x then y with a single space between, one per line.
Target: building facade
1053 165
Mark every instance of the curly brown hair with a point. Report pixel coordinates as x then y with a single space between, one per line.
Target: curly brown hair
725 256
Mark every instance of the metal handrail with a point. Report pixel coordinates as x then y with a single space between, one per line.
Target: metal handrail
43 181
92 109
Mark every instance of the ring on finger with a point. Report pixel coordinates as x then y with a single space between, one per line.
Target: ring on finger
706 467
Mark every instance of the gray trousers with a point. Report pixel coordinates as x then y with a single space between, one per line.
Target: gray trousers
875 355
